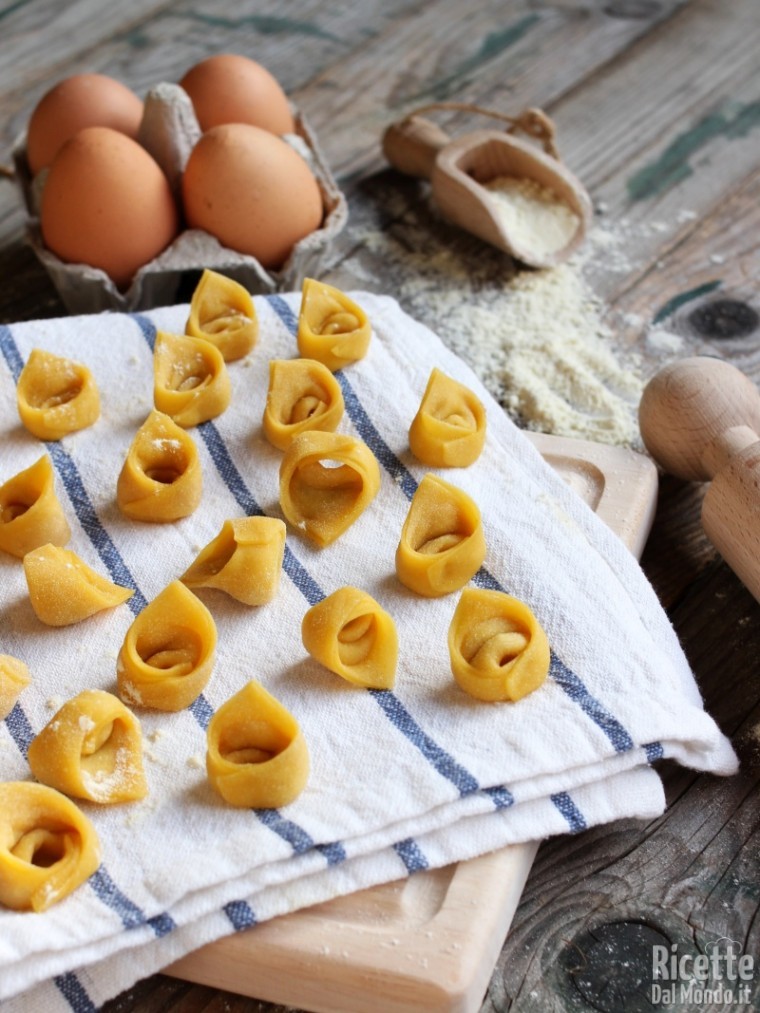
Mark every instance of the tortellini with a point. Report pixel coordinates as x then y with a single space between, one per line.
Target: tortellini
222 312
449 429
14 677
245 560
91 749
331 327
498 649
47 846
168 653
442 543
56 396
190 380
161 478
326 481
63 589
349 633
30 513
303 395
257 756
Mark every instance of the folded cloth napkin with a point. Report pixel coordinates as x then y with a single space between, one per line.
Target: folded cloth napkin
401 780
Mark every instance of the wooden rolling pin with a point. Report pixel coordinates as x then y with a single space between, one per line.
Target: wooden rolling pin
700 419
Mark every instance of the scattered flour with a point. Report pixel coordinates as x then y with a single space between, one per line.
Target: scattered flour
659 339
537 339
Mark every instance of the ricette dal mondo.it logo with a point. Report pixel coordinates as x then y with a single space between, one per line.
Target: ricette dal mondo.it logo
721 976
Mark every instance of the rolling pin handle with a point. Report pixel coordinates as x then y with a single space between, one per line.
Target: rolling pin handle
726 446
700 419
412 146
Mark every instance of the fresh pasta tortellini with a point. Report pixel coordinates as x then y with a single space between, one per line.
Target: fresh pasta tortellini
161 478
48 847
56 396
498 649
303 395
14 677
449 429
168 653
30 512
442 543
63 589
331 327
190 380
245 560
222 312
326 482
257 756
91 749
349 633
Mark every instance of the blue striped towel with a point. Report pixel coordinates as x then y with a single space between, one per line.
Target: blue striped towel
402 780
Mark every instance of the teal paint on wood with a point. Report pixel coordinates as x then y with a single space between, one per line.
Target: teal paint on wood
493 45
13 7
137 38
262 23
673 165
683 297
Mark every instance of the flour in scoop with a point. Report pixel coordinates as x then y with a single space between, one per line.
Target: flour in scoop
532 215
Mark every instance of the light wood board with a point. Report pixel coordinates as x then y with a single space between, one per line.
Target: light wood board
426 944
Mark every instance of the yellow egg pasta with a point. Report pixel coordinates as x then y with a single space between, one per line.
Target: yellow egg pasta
30 513
442 543
449 429
14 677
244 560
64 590
326 481
257 756
353 636
48 847
332 328
498 649
190 380
303 395
223 312
56 396
161 479
91 749
168 653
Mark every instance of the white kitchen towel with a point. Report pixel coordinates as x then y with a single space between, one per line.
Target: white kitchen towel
401 780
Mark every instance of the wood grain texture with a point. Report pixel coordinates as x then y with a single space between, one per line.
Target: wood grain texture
657 106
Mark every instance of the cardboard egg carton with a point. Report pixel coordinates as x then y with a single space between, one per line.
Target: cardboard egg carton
169 131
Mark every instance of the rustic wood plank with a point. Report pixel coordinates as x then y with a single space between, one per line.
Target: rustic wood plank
505 55
718 260
40 37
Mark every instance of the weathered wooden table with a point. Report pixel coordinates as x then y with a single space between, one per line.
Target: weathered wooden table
658 110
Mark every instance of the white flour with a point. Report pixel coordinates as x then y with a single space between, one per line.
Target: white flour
532 215
537 339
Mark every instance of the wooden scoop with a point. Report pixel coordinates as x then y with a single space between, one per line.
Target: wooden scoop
700 419
458 168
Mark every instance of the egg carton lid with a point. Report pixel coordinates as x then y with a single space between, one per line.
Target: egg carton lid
169 131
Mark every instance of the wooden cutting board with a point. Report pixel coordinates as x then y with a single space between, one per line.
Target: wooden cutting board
426 944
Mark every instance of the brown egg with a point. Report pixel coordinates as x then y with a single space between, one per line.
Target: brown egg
84 100
252 191
233 89
106 203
